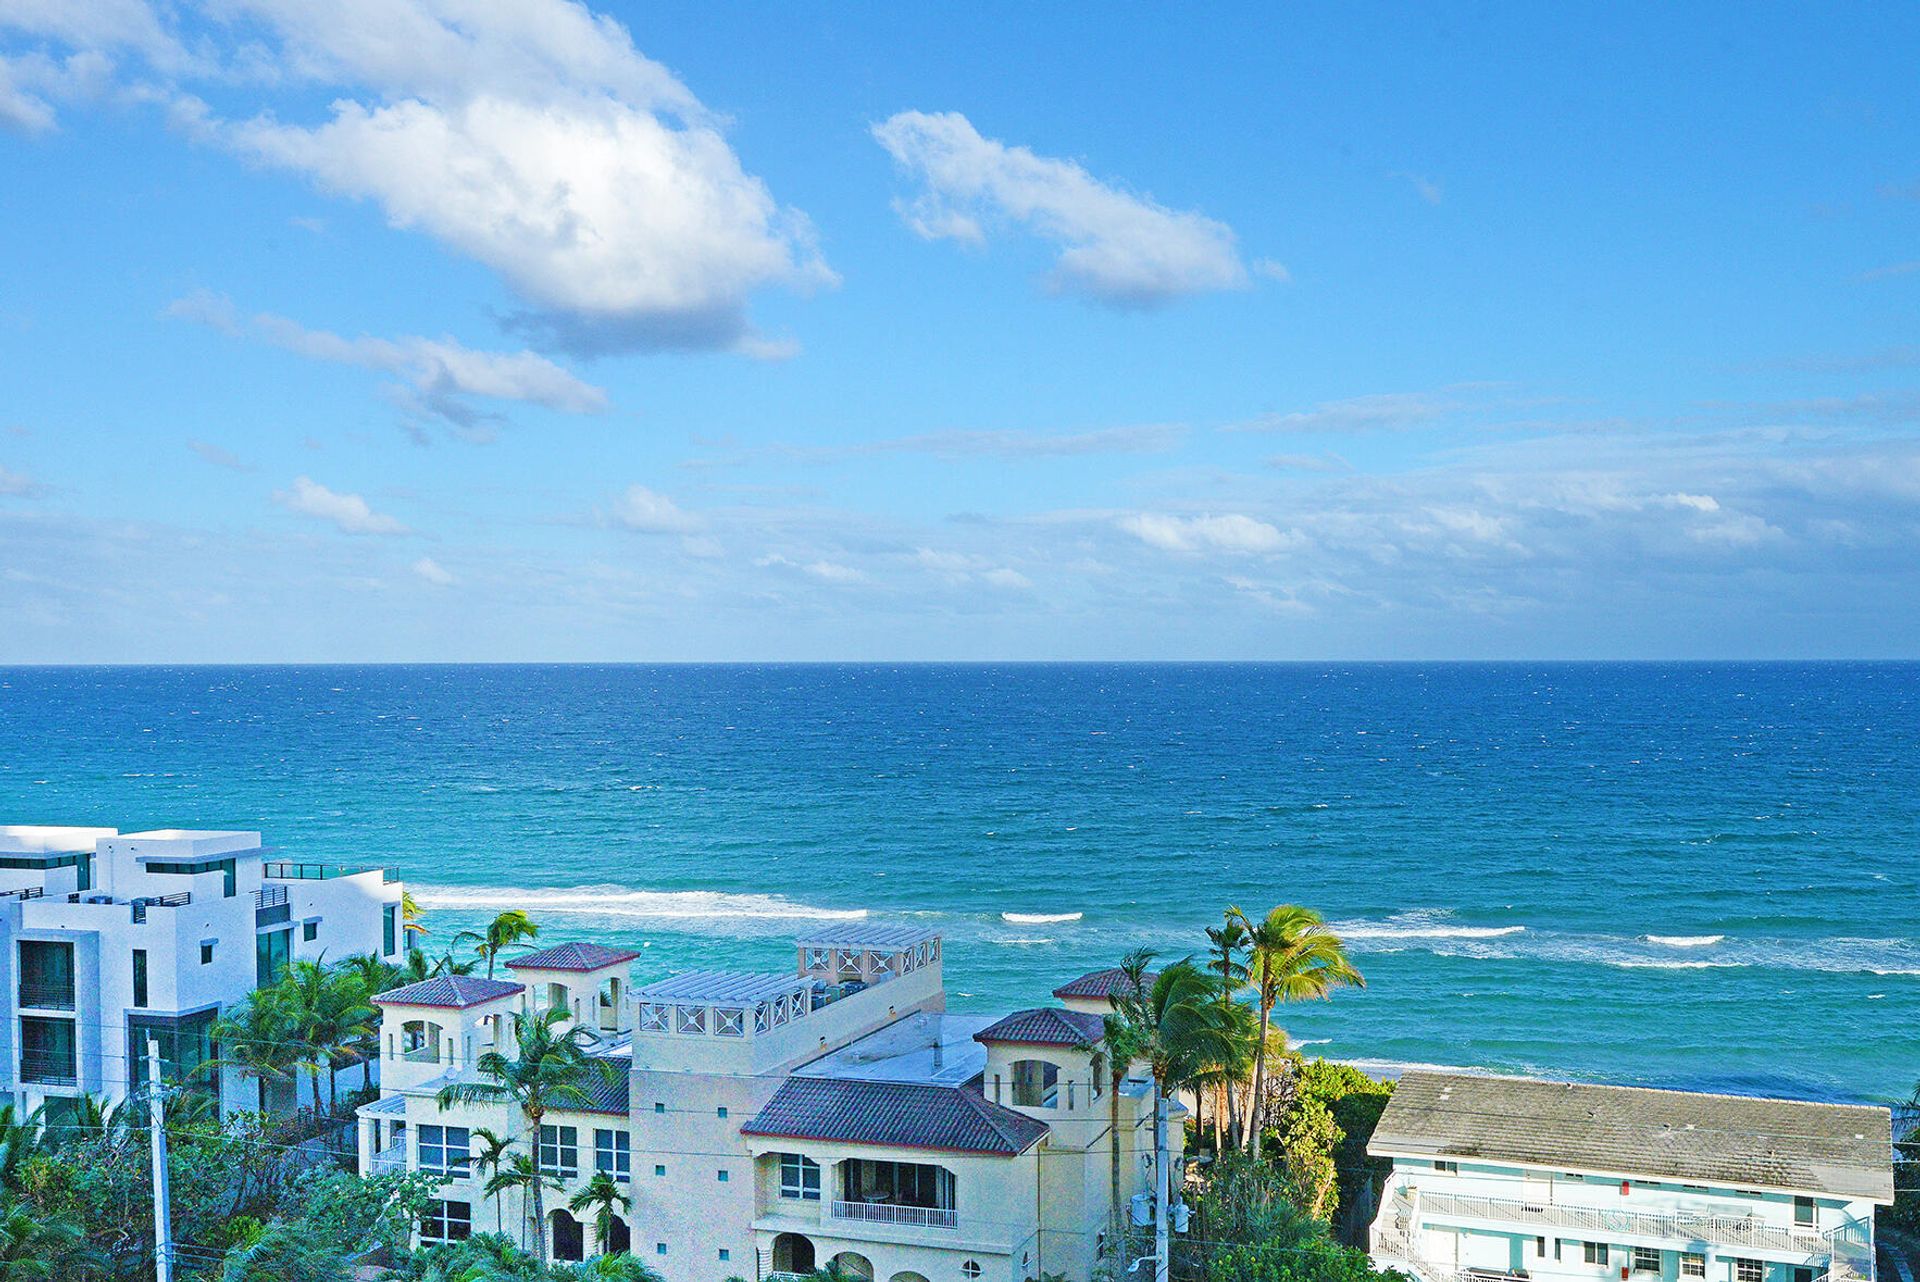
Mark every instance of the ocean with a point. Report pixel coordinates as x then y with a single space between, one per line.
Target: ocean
1690 875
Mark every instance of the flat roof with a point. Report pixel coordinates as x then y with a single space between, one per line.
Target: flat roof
184 843
49 839
903 1052
1841 1150
875 935
722 986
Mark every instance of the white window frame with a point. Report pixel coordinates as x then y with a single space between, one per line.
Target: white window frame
799 1177
1693 1264
613 1154
445 1150
438 1223
559 1152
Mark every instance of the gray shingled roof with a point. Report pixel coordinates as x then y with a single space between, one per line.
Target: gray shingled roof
456 992
572 956
1046 1026
1100 983
609 1095
894 1115
1843 1150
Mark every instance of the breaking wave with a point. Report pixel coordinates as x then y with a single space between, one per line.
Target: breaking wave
1038 919
661 906
1683 941
1421 926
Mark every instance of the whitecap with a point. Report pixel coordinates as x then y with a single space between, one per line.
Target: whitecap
1683 941
1038 919
1655 963
624 902
1422 930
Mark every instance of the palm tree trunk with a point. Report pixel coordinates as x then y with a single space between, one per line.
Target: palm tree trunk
1118 1236
539 1192
1255 1106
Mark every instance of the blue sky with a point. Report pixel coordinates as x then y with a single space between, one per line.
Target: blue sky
512 329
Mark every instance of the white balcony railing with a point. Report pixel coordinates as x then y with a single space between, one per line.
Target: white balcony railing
1717 1230
919 1217
391 1158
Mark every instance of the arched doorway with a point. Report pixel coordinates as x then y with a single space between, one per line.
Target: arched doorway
855 1265
569 1237
619 1237
792 1253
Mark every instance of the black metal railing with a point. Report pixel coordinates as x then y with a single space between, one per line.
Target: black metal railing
47 995
25 892
48 1070
281 870
269 896
140 906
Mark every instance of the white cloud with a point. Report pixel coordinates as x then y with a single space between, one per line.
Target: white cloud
1378 411
646 511
432 571
1116 248
960 568
533 137
18 485
348 512
1428 189
438 373
1229 533
1007 578
824 570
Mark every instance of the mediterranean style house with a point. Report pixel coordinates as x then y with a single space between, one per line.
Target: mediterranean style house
108 940
770 1123
1499 1178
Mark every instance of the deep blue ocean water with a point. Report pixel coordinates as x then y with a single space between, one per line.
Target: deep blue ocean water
1700 875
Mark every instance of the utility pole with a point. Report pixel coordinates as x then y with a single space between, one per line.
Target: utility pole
1162 1189
156 1126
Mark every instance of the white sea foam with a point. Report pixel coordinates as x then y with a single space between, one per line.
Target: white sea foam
1683 941
1415 928
1660 963
625 902
1038 919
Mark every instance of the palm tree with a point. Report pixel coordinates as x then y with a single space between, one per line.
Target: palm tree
549 1069
605 1198
1295 957
20 1139
1228 940
491 1152
40 1248
329 1018
255 1038
410 915
518 1172
376 974
1180 1032
502 933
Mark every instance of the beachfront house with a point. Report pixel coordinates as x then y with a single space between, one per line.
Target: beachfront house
770 1123
108 939
1498 1178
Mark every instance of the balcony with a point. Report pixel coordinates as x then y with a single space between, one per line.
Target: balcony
391 1158
54 995
140 906
919 1217
1685 1226
279 870
269 897
48 1069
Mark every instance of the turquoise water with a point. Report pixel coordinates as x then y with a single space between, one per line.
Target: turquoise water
1691 875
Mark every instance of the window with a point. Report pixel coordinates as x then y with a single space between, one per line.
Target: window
443 1150
659 1248
1036 1084
1646 1259
971 1270
48 1054
799 1177
1594 1252
271 953
1693 1264
139 977
390 929
1540 1248
659 1168
725 1254
720 1112
309 931
560 1150
46 974
1447 1168
659 1108
206 952
1802 1273
1803 1212
447 1222
721 1176
1749 1271
613 1154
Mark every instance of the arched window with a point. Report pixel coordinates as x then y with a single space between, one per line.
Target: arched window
569 1237
1036 1084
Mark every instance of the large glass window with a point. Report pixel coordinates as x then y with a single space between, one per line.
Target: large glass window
613 1153
443 1150
799 1177
896 1184
390 929
186 1043
47 1051
560 1150
46 974
447 1222
139 977
272 952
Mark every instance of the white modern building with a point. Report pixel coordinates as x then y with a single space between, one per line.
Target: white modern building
768 1123
1499 1178
108 939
